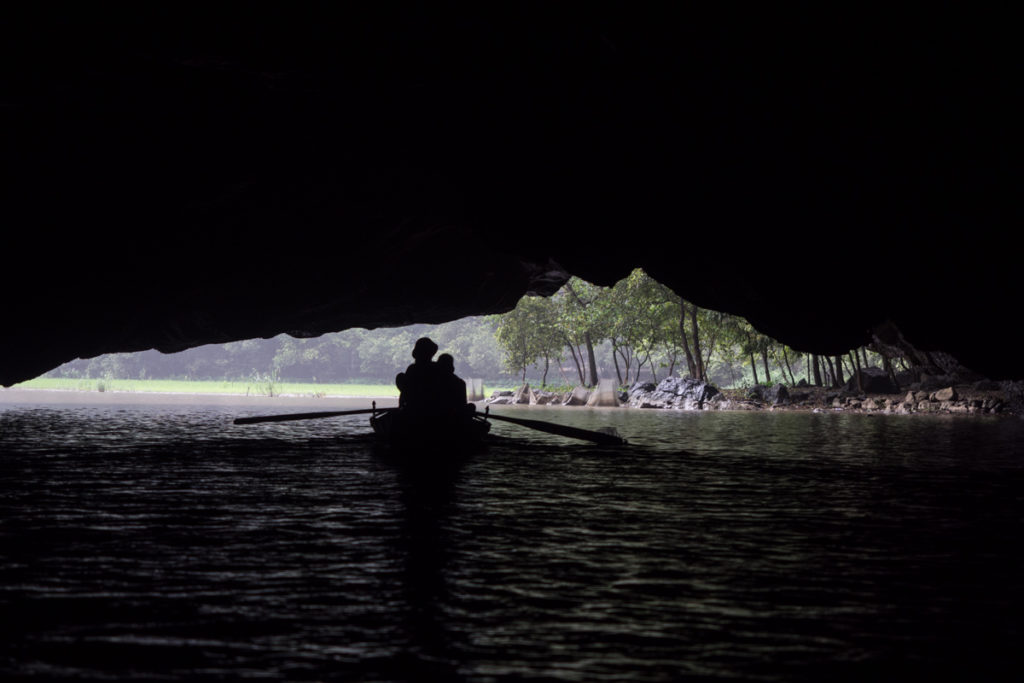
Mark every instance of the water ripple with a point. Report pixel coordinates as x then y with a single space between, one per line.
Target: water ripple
150 543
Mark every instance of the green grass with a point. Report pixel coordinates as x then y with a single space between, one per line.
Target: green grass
209 387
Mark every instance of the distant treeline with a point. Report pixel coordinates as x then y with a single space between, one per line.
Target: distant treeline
355 355
637 330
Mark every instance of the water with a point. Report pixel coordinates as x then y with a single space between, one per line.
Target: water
164 543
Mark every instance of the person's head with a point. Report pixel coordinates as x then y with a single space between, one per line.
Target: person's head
424 349
446 362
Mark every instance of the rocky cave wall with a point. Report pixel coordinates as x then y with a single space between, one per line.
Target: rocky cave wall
182 175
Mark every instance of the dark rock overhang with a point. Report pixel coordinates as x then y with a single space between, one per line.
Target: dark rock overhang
188 176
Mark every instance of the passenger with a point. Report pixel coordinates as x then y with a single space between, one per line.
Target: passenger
454 397
453 387
420 383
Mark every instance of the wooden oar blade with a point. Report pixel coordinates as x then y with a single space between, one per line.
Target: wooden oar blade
306 416
564 430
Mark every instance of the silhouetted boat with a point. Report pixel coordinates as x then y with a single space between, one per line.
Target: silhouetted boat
400 428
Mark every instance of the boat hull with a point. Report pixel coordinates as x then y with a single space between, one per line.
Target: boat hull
398 428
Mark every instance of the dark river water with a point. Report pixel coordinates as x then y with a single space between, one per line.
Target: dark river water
166 543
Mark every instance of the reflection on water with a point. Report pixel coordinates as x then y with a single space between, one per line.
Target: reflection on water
157 542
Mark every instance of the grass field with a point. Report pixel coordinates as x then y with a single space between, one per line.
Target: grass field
211 387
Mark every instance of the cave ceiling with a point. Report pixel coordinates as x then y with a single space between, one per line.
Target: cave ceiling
182 174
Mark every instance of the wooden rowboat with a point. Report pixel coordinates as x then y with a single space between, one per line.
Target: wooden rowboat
400 428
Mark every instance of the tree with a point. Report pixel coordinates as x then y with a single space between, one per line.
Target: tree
580 322
524 334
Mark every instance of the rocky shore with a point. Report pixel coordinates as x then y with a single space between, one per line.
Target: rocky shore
875 393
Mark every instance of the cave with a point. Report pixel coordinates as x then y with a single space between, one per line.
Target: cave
201 174
181 174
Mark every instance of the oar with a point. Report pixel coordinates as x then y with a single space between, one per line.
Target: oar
307 416
561 430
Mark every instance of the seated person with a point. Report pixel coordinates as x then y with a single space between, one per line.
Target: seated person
453 388
419 385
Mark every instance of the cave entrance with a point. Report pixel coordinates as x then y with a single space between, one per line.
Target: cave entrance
637 331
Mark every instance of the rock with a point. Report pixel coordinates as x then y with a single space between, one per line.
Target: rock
605 395
933 382
872 381
777 395
944 394
539 397
673 392
522 395
578 397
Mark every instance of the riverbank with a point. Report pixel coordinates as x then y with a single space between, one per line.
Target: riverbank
1002 399
961 399
929 397
23 396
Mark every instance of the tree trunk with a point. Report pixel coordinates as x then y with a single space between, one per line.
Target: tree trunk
712 345
839 371
615 361
856 370
576 361
785 358
698 361
764 359
591 359
544 377
753 368
690 365
817 369
829 371
887 364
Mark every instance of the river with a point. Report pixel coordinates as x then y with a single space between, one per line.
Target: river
163 542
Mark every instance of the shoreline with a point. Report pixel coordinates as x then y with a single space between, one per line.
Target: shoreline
819 401
17 396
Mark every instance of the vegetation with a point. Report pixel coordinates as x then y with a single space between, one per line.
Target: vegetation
636 330
645 332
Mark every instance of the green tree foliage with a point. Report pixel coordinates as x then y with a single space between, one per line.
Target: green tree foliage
640 317
528 333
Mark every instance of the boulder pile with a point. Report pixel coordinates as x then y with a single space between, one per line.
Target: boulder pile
681 393
579 396
928 395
